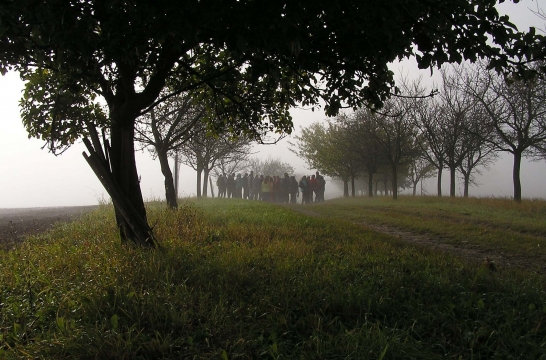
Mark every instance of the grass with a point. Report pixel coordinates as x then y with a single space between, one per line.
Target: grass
245 280
503 225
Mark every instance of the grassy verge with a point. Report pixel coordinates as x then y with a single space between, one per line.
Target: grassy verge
238 279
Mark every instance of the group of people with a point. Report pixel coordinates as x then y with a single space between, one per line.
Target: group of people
272 188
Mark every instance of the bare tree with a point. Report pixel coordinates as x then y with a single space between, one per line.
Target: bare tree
396 138
430 121
419 169
516 111
232 163
269 166
164 129
479 153
204 150
361 131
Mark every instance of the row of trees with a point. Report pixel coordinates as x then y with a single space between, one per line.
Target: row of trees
249 61
475 114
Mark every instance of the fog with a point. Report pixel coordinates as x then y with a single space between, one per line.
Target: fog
32 177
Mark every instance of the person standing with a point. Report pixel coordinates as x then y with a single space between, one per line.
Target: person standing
245 186
273 195
221 183
293 189
321 183
313 187
257 187
303 185
251 185
238 187
230 185
266 189
285 188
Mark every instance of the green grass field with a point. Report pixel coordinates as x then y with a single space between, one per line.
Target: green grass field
237 279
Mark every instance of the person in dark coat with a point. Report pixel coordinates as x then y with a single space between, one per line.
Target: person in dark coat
230 186
257 187
321 187
293 190
284 189
221 183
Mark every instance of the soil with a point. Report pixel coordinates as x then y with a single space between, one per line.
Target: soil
16 224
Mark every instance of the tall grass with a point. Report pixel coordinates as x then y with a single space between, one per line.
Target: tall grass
245 280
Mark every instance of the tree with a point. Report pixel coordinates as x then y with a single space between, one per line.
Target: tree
516 110
324 148
419 168
203 150
269 167
361 133
479 152
459 111
235 163
252 59
166 128
430 121
396 137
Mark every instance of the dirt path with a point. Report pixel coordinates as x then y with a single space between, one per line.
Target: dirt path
16 224
490 258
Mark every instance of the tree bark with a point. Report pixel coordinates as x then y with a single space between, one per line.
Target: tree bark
199 173
345 188
452 170
370 184
440 170
395 182
170 192
125 177
205 181
516 176
353 186
466 183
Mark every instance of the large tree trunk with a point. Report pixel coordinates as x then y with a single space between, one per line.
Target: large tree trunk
452 170
440 170
516 176
170 189
133 224
395 182
353 186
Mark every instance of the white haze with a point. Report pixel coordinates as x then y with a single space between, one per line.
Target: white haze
32 177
